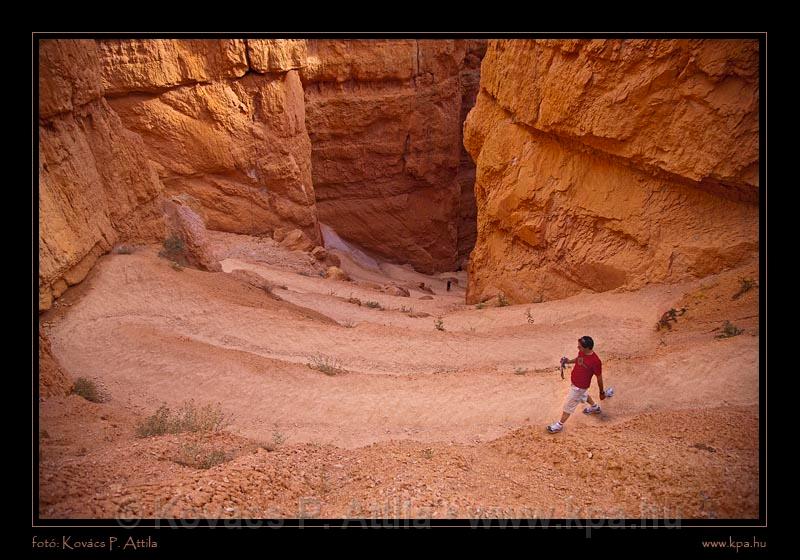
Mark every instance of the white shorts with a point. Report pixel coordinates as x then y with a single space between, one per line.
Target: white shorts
575 397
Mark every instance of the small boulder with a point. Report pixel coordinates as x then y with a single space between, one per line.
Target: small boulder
425 288
250 277
187 236
393 290
319 253
336 273
296 240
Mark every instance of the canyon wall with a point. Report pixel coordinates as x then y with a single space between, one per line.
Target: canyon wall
95 182
384 119
123 122
606 164
223 121
53 380
602 164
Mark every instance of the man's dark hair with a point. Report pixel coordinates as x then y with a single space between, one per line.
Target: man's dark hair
586 342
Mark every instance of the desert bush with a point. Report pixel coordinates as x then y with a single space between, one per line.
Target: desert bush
326 364
669 316
200 457
729 330
745 285
188 418
528 316
173 250
89 390
278 439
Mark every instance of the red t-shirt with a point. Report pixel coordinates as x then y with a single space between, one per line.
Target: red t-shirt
585 367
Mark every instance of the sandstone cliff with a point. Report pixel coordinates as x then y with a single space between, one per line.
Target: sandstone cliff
611 164
122 121
52 378
95 183
384 119
224 122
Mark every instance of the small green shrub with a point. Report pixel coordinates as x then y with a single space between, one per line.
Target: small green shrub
278 439
745 285
199 457
729 330
669 316
174 250
325 364
529 316
89 390
188 418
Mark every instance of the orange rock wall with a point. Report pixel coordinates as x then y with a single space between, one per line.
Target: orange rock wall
53 380
385 119
223 121
123 121
95 182
607 164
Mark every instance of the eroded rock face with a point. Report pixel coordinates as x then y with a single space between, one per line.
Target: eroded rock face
385 122
611 164
122 121
235 141
95 183
155 65
276 55
52 378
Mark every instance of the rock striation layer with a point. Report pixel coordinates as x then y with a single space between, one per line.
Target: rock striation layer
606 164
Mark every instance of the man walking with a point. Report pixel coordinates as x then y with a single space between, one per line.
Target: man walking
587 363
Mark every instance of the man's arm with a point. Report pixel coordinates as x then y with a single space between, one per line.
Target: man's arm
600 386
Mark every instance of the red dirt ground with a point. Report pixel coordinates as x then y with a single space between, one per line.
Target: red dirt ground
422 422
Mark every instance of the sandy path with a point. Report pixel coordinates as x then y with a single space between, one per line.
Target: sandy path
152 335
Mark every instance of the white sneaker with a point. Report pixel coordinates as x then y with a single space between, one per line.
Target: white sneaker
594 409
555 427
